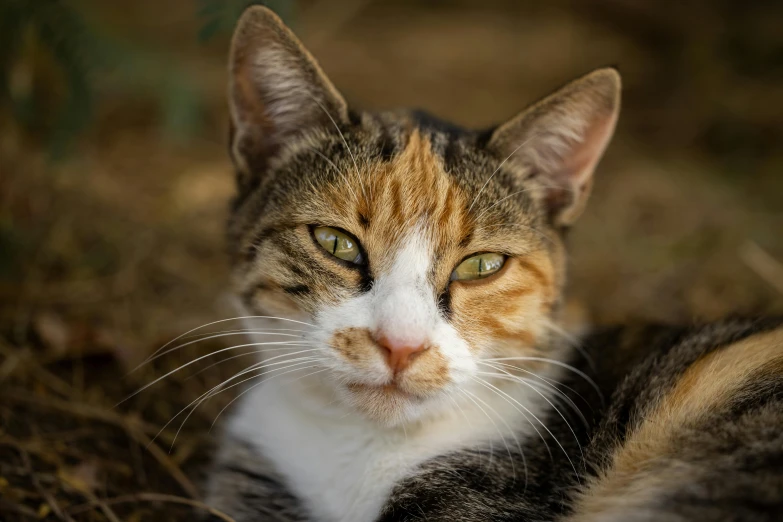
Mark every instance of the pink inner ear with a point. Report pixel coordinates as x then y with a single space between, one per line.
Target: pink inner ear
580 161
575 173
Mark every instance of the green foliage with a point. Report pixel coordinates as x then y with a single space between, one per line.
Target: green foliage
55 65
52 25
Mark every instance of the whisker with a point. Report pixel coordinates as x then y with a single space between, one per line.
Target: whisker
529 189
217 388
517 225
576 474
215 336
563 398
259 384
345 178
516 441
491 454
510 398
545 381
217 322
555 384
342 137
497 169
244 330
254 352
197 360
474 398
572 341
576 439
556 363
459 407
182 425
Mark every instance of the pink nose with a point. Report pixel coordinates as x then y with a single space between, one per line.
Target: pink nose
399 355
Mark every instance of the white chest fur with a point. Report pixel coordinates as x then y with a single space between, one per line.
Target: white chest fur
344 466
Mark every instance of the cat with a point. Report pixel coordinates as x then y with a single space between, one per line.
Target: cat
415 273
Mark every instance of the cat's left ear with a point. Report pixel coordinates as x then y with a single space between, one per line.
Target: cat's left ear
561 138
277 91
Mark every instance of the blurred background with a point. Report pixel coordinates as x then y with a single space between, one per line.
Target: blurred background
114 184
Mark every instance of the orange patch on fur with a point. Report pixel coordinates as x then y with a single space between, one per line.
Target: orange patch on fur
355 344
509 306
707 385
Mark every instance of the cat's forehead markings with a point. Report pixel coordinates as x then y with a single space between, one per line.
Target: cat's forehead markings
412 191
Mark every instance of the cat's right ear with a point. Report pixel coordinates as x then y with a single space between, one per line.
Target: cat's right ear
561 138
277 92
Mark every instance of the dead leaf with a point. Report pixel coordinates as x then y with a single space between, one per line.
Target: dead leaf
53 332
82 478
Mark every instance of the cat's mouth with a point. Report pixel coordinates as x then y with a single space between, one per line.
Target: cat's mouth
391 389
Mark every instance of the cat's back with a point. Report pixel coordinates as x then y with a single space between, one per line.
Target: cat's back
695 430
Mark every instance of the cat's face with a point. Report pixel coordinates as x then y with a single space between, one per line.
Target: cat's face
414 251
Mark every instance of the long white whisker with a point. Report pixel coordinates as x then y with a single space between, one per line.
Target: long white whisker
517 406
513 435
215 336
558 394
254 352
576 439
197 360
572 341
212 393
209 393
342 137
491 454
529 189
516 225
545 381
461 409
246 331
473 397
548 380
540 422
497 169
345 178
259 384
556 363
217 322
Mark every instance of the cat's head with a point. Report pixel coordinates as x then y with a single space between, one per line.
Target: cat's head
416 251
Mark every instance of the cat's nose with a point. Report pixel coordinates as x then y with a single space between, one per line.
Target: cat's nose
400 354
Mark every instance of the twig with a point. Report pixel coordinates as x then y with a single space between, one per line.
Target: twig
164 460
41 491
104 507
135 428
153 497
44 375
18 508
82 410
765 266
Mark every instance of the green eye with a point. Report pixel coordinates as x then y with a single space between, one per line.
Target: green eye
478 267
339 244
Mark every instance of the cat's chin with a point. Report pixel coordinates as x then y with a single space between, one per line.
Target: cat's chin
386 404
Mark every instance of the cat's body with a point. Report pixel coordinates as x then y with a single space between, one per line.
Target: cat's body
723 465
415 271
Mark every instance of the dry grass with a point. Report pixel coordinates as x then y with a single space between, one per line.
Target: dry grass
119 249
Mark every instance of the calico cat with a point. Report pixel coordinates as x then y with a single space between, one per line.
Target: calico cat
419 270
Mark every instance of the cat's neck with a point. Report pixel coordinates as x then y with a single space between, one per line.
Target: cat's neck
329 452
